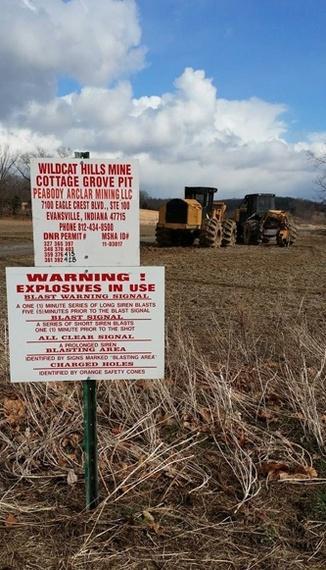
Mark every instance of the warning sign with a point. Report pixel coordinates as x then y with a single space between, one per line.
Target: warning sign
85 212
90 323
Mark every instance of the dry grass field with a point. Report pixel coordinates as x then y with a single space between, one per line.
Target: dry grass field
221 465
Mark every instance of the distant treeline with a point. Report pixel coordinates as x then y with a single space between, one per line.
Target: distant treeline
300 208
304 209
146 202
15 196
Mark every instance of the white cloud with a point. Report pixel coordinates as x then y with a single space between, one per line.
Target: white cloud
187 122
25 140
92 41
186 136
315 144
252 120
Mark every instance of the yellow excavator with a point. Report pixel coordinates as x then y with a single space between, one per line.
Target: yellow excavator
258 221
197 216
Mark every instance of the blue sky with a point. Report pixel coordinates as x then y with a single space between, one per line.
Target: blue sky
272 49
227 93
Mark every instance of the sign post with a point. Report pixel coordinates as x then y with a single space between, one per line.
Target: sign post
90 429
90 443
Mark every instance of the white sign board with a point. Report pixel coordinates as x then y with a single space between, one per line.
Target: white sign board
100 323
85 212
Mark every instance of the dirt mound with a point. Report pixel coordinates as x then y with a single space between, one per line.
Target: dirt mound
148 217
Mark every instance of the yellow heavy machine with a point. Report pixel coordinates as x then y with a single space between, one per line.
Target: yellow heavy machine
197 216
259 222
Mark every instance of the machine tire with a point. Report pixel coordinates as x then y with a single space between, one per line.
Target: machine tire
211 234
187 239
251 232
293 233
164 237
229 236
292 237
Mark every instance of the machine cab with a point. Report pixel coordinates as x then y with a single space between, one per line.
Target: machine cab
256 204
203 194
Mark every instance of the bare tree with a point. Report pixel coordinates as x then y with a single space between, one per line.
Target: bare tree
24 160
320 162
7 162
321 180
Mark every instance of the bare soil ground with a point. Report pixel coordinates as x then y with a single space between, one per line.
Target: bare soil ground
221 464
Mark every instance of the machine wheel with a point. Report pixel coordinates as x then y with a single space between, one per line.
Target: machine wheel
164 237
291 238
251 232
187 239
229 236
211 234
293 234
